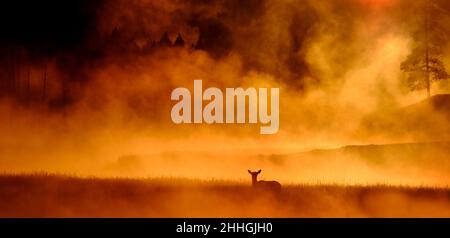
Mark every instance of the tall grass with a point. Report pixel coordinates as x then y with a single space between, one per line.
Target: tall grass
54 195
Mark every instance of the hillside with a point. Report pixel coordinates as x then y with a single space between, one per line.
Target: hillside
410 152
412 164
425 120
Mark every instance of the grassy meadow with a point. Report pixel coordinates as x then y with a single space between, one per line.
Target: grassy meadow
46 195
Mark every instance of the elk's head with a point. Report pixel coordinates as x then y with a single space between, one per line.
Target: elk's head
254 176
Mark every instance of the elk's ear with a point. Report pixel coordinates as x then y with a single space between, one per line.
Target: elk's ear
250 172
259 171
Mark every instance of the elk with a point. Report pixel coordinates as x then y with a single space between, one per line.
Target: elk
273 186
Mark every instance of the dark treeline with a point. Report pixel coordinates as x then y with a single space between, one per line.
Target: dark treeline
48 47
26 77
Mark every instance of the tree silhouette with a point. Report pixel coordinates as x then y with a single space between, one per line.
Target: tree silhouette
424 65
165 40
179 41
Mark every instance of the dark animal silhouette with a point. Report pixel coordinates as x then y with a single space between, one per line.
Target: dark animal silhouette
273 186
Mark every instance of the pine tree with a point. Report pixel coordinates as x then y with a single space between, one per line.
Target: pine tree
165 40
179 41
424 65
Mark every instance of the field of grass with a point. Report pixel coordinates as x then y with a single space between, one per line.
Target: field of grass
65 196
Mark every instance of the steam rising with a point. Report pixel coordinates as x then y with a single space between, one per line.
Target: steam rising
106 108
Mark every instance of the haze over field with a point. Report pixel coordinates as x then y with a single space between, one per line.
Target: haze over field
62 196
90 93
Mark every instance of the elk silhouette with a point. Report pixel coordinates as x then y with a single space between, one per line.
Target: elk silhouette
273 186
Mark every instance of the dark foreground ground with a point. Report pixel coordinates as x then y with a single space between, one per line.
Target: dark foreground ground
61 196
